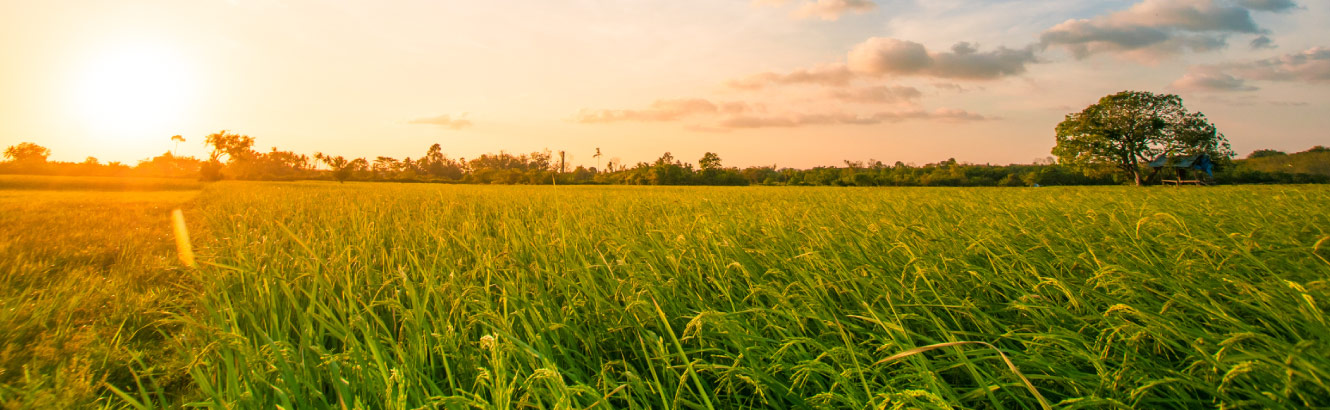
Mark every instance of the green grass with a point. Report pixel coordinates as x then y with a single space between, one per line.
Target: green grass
84 279
322 295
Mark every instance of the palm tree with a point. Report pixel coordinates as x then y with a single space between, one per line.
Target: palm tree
178 139
597 159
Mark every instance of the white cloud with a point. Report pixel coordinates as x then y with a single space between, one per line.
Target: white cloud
800 120
828 75
827 10
1308 66
879 95
1156 28
445 121
831 10
889 56
1203 79
662 110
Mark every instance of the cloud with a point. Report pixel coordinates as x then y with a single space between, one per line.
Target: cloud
1310 66
1153 28
829 75
445 121
1289 103
800 120
880 56
1268 5
831 10
662 110
827 10
879 95
725 117
953 87
889 56
1262 42
1247 101
1204 79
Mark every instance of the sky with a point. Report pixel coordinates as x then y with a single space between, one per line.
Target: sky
792 83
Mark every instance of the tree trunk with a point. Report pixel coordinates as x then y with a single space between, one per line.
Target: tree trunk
1136 169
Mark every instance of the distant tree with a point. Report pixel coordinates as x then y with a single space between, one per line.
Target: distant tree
167 165
712 170
177 139
1124 130
581 175
237 148
597 158
709 162
27 153
1265 153
211 170
666 158
436 164
342 169
386 167
669 171
282 165
235 153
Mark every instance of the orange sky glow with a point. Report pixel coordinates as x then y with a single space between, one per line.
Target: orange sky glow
795 83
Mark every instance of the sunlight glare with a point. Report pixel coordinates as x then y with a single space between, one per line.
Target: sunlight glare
133 93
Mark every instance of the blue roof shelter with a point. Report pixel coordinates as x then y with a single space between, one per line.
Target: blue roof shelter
1198 166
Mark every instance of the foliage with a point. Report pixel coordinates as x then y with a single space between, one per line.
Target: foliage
211 171
27 152
343 169
243 162
234 147
1263 153
1124 130
1310 166
168 165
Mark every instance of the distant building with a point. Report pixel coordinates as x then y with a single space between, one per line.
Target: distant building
1187 169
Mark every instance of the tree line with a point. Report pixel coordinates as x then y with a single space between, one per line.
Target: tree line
233 157
1107 143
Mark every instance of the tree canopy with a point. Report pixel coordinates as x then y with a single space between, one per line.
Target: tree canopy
27 152
1124 130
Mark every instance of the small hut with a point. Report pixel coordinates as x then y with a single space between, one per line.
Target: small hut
1187 169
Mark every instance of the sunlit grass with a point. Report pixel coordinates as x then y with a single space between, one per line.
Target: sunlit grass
323 295
572 297
48 183
84 278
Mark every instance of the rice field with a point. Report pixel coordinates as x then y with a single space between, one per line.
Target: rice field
324 295
83 183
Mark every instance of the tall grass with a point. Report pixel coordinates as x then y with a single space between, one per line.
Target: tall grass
407 296
85 279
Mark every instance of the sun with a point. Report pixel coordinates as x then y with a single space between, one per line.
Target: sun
132 93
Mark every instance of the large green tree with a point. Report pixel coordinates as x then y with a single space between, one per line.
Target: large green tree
1126 129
